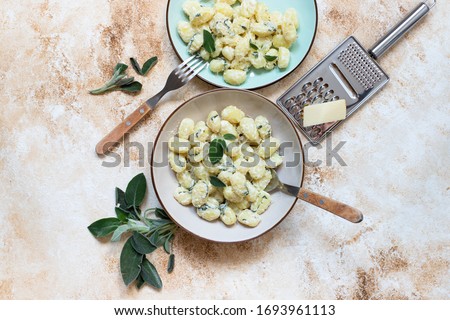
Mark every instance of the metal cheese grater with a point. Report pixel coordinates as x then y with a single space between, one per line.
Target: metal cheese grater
349 72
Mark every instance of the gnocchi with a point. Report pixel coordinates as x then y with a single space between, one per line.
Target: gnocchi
230 189
246 35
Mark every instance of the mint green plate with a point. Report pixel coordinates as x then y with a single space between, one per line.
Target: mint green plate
307 15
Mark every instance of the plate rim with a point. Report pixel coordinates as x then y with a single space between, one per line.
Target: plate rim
162 129
257 87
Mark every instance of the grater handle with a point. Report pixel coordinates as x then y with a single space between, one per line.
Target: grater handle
400 29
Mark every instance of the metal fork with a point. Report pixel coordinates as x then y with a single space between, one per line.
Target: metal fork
177 78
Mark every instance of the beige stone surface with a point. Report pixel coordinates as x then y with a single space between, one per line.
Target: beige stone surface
53 185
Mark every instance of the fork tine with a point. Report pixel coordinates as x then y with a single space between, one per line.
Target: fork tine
186 67
181 66
190 70
196 72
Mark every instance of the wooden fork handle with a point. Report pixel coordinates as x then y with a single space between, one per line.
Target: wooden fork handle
118 132
338 208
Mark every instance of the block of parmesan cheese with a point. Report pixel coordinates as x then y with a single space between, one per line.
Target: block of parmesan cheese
324 112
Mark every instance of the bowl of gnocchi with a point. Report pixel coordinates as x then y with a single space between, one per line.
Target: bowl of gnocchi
212 161
248 43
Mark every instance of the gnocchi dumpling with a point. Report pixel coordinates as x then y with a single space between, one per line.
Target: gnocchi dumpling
183 196
209 210
261 203
227 215
213 121
200 193
249 218
232 114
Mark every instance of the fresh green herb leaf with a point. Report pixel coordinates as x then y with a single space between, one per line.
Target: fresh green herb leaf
130 263
167 244
216 182
156 239
253 46
120 199
135 86
135 192
141 244
150 275
229 136
216 151
223 143
124 82
104 227
119 231
160 213
171 263
140 281
270 58
122 214
136 66
148 65
208 41
120 68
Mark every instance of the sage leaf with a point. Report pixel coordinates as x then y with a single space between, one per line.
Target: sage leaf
160 213
167 244
136 66
223 143
270 58
104 227
150 275
124 82
253 46
148 65
208 41
135 192
216 151
171 263
229 137
140 281
122 214
216 182
156 239
130 263
141 244
119 231
120 199
135 86
120 68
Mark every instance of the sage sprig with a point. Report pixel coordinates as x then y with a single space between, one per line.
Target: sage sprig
149 64
119 81
145 234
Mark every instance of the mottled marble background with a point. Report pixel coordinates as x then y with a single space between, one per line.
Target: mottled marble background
53 185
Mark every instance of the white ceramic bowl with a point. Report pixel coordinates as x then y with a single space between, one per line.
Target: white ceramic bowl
164 180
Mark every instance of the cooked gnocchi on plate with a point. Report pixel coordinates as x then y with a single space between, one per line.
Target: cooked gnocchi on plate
223 165
246 35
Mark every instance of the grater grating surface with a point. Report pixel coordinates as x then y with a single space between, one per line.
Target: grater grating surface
348 72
